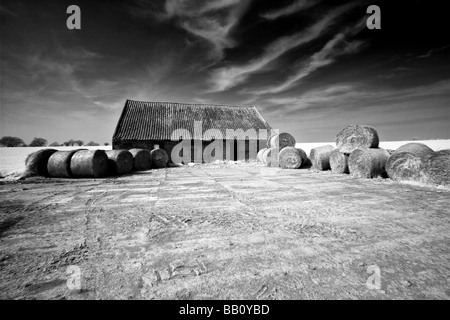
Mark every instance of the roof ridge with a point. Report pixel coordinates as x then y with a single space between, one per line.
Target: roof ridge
196 104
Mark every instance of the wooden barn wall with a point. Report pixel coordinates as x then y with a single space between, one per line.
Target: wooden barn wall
229 150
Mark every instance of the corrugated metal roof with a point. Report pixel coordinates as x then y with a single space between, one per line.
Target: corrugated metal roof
158 120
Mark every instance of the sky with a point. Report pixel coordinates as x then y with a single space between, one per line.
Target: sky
311 67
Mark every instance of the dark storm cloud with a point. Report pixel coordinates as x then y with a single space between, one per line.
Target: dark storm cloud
310 66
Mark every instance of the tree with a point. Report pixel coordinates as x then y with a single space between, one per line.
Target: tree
38 142
68 143
92 144
106 144
11 142
54 144
72 142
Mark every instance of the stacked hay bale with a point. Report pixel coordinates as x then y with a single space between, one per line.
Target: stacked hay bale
407 163
270 157
416 162
358 152
119 161
291 158
259 157
368 163
142 159
320 157
306 162
89 163
36 163
281 152
58 165
159 158
437 168
357 137
281 141
275 144
339 162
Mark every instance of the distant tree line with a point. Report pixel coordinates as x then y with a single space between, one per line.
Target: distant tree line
11 142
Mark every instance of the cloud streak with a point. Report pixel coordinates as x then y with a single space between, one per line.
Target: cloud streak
327 55
212 21
295 7
229 77
351 96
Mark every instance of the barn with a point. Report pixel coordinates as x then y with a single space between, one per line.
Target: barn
190 130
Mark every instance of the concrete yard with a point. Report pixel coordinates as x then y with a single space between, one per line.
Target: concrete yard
228 231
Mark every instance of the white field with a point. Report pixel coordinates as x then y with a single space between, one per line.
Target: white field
13 159
436 145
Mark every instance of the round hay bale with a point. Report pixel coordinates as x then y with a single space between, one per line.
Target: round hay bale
356 137
159 158
290 158
119 161
390 151
339 162
36 163
142 159
306 163
281 141
89 163
436 168
405 163
270 157
415 148
320 157
58 164
405 166
264 158
446 151
368 163
259 157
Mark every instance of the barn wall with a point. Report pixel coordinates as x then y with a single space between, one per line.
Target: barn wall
230 150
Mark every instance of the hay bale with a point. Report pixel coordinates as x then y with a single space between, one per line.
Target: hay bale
270 157
356 137
281 141
368 163
264 158
405 166
119 161
89 163
339 162
415 148
446 151
58 165
306 163
259 157
436 169
390 151
320 157
405 163
36 163
142 159
159 158
290 158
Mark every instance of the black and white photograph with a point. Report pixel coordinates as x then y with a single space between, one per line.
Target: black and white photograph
222 154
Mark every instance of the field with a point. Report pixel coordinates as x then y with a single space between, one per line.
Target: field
224 231
13 159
